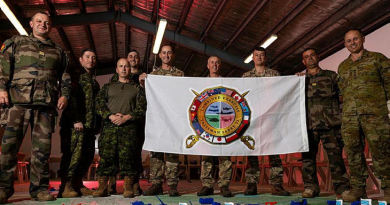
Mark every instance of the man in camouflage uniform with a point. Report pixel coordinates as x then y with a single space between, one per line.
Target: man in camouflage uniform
225 163
157 167
135 72
32 79
252 174
323 124
79 124
364 81
120 104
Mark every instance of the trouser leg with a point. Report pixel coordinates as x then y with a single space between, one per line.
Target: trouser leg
309 168
334 151
18 120
253 172
276 173
206 173
225 171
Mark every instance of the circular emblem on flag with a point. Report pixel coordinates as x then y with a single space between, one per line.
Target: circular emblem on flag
219 115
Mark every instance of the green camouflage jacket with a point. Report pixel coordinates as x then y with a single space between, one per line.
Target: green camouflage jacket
81 107
101 103
365 84
33 71
267 73
172 72
322 101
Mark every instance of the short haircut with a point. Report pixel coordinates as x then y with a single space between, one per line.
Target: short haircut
133 50
260 49
40 12
354 29
85 50
173 49
215 57
310 48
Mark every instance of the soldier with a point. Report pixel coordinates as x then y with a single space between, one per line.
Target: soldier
157 167
364 81
79 124
32 78
135 71
121 104
225 164
252 174
323 124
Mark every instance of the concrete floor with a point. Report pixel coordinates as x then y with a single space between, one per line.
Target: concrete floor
188 190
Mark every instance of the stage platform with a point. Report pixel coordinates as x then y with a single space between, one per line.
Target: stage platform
188 190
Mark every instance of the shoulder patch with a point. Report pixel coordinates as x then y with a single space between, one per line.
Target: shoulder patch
6 45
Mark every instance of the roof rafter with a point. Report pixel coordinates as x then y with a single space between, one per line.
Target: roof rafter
87 28
183 15
52 11
148 47
111 7
128 7
331 49
146 26
326 23
259 5
209 25
285 21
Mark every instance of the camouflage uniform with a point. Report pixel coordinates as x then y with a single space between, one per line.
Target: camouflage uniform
225 171
141 122
30 70
78 147
252 174
157 167
323 124
365 87
118 145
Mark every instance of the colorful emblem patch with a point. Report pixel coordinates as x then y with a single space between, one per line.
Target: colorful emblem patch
219 116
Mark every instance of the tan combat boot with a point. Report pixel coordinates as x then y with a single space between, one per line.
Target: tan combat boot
310 193
128 187
355 195
43 196
102 191
69 192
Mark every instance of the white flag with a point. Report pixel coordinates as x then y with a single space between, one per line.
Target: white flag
226 116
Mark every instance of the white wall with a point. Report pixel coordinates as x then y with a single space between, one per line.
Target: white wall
377 41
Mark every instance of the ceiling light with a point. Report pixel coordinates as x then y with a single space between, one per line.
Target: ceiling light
160 34
268 42
12 18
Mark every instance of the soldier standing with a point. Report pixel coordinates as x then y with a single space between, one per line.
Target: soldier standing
252 174
32 77
364 81
79 124
157 167
120 104
225 163
135 71
323 124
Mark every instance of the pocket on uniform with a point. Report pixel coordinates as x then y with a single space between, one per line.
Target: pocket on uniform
21 90
332 117
4 117
51 93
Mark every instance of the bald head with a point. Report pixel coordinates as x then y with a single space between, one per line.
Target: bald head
123 68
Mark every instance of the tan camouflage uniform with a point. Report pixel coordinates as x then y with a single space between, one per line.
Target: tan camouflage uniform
365 87
252 174
31 72
157 167
225 171
323 124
